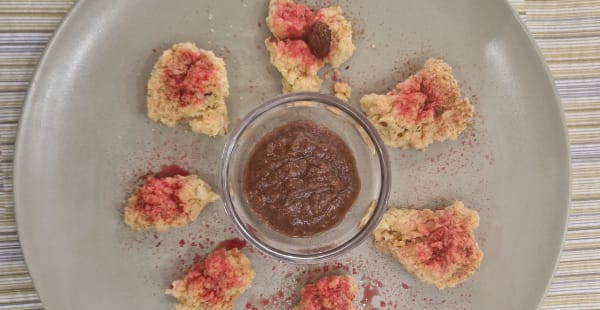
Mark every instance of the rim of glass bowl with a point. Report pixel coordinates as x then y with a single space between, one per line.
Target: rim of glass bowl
380 150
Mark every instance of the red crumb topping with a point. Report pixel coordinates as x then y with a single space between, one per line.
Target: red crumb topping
297 49
332 292
158 199
417 100
211 278
188 76
292 21
447 243
235 243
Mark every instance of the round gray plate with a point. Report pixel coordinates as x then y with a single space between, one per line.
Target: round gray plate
84 139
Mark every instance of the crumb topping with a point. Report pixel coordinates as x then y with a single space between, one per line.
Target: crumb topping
211 278
297 49
418 101
438 247
292 21
333 292
445 243
188 76
159 199
424 108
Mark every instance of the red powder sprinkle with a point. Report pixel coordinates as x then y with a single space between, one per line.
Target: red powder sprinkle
382 303
212 278
446 244
332 292
418 100
378 283
181 243
292 20
234 243
171 171
158 199
297 49
263 302
153 50
369 292
405 286
187 77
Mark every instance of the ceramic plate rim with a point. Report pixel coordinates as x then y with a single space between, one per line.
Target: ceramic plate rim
58 34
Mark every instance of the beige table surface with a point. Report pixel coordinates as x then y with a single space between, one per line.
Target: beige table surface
567 31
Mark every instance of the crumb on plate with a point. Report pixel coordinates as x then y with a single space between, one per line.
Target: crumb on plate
329 293
303 42
189 85
296 63
215 282
438 247
426 107
161 203
342 90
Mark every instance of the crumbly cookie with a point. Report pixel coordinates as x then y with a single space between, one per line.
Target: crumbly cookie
427 107
303 42
298 66
215 282
342 90
341 48
329 293
288 20
161 203
438 247
188 86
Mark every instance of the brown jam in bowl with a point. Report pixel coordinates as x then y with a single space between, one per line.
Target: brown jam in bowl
301 179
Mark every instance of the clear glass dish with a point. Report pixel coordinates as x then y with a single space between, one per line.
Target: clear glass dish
372 164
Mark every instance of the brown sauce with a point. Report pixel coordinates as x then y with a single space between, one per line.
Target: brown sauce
301 179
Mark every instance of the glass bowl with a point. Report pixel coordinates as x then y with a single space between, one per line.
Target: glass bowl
372 165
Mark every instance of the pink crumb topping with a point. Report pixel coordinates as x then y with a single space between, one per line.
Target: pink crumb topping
188 76
445 243
292 21
332 292
297 49
417 100
158 199
210 279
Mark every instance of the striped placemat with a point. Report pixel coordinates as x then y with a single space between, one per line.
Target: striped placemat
567 31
